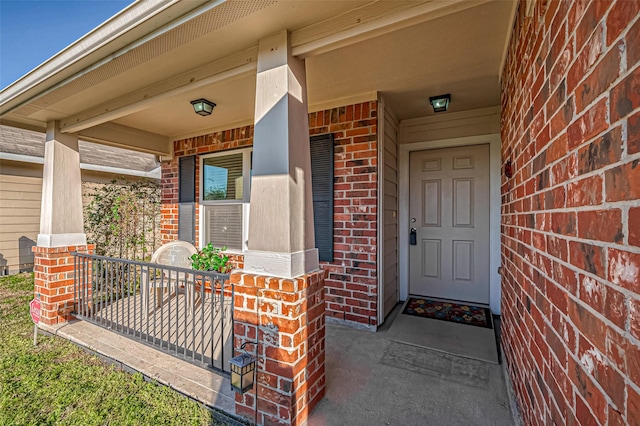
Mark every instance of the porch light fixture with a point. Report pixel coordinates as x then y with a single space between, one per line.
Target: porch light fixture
242 368
203 107
440 103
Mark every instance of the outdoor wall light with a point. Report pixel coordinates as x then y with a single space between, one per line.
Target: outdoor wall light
203 107
440 103
242 368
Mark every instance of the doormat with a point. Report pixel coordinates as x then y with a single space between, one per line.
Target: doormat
448 311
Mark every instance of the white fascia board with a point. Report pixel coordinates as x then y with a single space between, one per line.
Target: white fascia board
21 157
152 174
116 26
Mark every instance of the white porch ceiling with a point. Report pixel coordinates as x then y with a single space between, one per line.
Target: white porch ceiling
405 50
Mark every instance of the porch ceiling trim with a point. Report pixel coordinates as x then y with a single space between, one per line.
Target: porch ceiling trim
364 23
351 27
113 133
368 22
231 67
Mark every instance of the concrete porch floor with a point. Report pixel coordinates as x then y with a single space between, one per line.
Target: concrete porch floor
370 379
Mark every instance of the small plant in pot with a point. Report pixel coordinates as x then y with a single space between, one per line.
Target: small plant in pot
211 258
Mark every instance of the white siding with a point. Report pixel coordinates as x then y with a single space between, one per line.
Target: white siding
19 221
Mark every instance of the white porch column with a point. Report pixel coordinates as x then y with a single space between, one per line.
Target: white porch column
61 221
281 237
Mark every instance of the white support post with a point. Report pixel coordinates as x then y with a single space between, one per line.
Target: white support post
61 221
281 236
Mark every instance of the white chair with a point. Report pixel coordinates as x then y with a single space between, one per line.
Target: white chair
176 253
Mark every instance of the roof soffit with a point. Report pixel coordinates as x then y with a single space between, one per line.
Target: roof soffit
161 80
116 33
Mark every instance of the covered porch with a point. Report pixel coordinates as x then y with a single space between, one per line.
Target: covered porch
548 89
356 74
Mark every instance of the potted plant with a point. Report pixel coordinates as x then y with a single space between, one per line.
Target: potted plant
211 258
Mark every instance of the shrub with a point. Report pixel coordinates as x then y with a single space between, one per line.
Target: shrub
211 258
123 219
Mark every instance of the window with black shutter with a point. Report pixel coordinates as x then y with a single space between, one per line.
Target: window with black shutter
225 175
322 177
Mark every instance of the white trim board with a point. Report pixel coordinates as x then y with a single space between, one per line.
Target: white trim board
153 174
494 213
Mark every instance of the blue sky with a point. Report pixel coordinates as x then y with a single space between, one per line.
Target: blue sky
32 31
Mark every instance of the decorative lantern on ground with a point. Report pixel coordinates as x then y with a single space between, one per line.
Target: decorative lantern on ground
242 372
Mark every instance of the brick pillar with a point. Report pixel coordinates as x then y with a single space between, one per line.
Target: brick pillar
53 275
286 318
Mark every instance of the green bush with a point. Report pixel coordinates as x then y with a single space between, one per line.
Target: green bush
211 258
123 219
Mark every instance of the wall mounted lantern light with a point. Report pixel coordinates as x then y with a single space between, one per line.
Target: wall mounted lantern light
242 369
203 107
440 103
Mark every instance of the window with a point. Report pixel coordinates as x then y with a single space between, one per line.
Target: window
226 179
222 177
225 191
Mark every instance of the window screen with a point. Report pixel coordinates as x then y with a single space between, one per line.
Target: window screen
224 225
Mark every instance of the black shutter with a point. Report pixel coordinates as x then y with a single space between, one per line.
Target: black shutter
322 182
187 199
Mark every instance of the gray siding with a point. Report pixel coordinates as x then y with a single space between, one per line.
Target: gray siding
390 214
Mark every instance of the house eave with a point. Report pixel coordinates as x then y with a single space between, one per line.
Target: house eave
121 33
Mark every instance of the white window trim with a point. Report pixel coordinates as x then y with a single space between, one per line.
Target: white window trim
246 196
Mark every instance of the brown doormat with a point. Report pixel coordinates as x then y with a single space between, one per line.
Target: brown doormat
460 313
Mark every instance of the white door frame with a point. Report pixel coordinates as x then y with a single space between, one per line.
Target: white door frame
494 211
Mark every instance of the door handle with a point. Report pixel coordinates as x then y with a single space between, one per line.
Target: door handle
413 237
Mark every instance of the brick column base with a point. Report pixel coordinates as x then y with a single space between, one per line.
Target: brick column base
53 278
286 319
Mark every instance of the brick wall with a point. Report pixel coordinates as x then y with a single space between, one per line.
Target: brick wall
53 274
352 281
169 201
571 212
286 319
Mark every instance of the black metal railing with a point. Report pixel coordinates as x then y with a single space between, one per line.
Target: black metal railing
184 312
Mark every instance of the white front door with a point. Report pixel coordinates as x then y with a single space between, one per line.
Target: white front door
449 213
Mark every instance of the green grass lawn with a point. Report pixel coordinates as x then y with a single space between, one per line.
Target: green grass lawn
57 383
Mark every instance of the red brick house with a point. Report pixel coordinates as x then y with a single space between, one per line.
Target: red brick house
524 196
